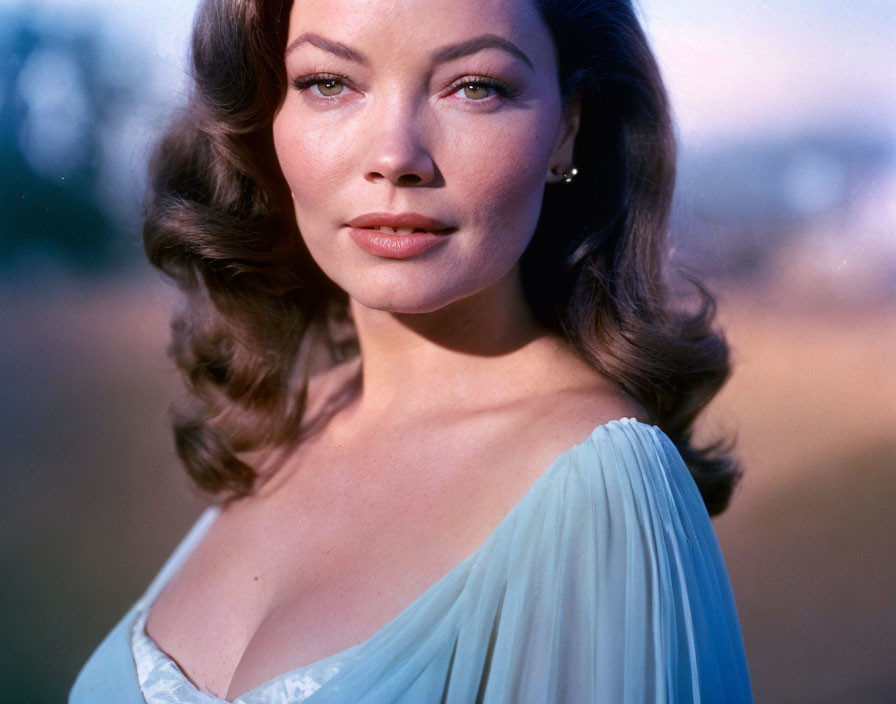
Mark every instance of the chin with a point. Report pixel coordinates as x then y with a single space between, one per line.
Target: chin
412 295
403 302
421 287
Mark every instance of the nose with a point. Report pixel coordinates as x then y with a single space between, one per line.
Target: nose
398 153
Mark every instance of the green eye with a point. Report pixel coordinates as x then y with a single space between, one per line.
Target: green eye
476 91
322 85
329 87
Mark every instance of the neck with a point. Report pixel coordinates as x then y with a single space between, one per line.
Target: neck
460 356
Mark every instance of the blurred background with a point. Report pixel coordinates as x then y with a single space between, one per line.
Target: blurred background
786 203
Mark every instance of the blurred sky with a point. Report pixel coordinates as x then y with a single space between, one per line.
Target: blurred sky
777 68
744 66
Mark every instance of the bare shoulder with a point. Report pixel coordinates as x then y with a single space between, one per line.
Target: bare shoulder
580 411
568 408
569 416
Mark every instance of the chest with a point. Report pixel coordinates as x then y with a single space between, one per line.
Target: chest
352 536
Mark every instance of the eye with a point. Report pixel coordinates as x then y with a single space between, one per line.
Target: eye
329 87
477 91
321 85
481 88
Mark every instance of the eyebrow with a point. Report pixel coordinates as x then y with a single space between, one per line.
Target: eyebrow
486 41
447 53
340 50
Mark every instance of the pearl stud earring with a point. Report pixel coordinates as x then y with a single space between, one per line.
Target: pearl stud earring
568 176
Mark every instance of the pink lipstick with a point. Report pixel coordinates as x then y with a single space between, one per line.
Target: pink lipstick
398 235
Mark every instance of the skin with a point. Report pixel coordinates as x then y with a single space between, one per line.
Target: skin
421 437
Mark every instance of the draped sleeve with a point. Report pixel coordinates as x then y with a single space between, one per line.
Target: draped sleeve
616 590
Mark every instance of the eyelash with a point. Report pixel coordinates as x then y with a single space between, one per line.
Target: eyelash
503 90
303 83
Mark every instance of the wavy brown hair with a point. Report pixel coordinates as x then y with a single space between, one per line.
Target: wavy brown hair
260 312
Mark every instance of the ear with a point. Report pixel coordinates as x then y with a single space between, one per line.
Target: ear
562 154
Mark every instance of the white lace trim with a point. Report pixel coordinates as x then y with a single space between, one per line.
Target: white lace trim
162 681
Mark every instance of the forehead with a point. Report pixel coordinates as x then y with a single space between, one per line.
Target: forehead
411 27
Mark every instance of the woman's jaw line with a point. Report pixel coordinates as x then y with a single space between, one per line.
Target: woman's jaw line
490 322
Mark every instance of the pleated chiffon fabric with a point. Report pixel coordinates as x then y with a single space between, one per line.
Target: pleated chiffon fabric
605 583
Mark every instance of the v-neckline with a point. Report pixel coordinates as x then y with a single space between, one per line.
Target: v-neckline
207 519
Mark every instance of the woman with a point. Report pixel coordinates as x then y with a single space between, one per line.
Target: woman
463 249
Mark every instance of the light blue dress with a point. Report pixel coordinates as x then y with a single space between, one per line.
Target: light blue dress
605 583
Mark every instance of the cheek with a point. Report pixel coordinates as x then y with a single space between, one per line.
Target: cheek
508 186
309 158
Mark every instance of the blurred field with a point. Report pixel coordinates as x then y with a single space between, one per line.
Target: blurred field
93 499
809 537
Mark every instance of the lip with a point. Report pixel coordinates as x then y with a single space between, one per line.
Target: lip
432 232
416 221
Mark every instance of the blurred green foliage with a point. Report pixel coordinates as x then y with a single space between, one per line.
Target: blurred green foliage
57 96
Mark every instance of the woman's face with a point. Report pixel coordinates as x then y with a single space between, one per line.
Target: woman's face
441 119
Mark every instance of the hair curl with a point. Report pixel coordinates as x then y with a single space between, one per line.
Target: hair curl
220 223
